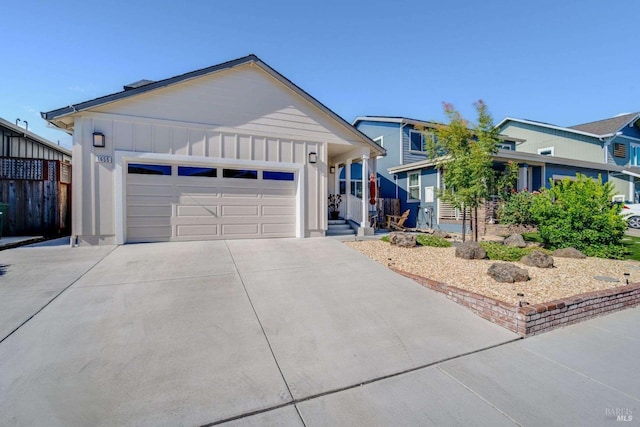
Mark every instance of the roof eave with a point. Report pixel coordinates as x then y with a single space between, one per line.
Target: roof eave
519 157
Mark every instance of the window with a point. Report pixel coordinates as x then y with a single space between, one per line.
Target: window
356 188
635 155
547 151
197 171
504 146
416 141
619 149
278 176
414 186
143 169
240 173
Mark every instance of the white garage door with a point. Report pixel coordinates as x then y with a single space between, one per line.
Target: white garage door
178 202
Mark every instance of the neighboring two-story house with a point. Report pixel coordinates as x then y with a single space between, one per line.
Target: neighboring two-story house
611 147
408 174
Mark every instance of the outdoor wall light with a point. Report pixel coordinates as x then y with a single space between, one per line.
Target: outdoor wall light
313 157
98 139
332 169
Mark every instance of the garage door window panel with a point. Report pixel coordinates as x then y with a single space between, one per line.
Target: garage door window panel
278 176
240 173
197 171
143 169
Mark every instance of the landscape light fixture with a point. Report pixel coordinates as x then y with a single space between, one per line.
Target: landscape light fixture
98 139
626 277
313 157
332 169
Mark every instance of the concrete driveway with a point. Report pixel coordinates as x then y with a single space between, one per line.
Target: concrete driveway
270 332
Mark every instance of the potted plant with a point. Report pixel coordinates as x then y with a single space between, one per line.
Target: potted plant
334 205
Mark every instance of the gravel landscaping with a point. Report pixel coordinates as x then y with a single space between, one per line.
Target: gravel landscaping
568 277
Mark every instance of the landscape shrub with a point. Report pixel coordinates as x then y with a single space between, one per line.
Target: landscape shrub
435 241
580 214
426 240
499 252
532 237
516 209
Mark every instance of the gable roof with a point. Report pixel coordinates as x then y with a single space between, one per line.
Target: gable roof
407 121
143 86
32 136
549 126
607 127
394 119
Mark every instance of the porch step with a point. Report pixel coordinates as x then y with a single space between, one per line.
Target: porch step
333 232
339 227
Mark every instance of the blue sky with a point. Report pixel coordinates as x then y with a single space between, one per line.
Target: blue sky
564 62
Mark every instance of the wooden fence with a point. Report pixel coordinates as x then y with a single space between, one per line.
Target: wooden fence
38 193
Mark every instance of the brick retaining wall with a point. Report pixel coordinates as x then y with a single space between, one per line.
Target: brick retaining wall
537 318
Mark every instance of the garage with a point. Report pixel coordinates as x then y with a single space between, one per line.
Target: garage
231 151
175 202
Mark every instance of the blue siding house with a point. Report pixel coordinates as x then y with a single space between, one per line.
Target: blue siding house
408 174
405 145
613 143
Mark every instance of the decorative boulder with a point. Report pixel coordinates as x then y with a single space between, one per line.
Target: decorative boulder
507 273
569 253
404 240
441 233
470 250
515 240
538 259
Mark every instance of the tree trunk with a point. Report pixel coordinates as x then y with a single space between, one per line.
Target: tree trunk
476 219
464 223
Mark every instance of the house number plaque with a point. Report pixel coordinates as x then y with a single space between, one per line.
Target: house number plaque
104 159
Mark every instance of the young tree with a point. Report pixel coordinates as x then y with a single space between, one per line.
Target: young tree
465 154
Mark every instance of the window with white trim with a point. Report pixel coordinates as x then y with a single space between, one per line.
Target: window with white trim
635 155
414 186
416 141
503 146
547 151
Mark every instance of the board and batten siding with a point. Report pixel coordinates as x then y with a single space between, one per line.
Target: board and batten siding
97 182
566 145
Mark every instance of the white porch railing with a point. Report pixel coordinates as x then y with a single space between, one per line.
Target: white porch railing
354 208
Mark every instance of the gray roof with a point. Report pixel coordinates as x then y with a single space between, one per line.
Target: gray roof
607 126
143 86
32 136
136 85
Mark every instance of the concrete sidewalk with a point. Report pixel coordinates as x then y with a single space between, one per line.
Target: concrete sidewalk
274 332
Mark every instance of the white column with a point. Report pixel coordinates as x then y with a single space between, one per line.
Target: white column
365 191
347 178
632 189
523 175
